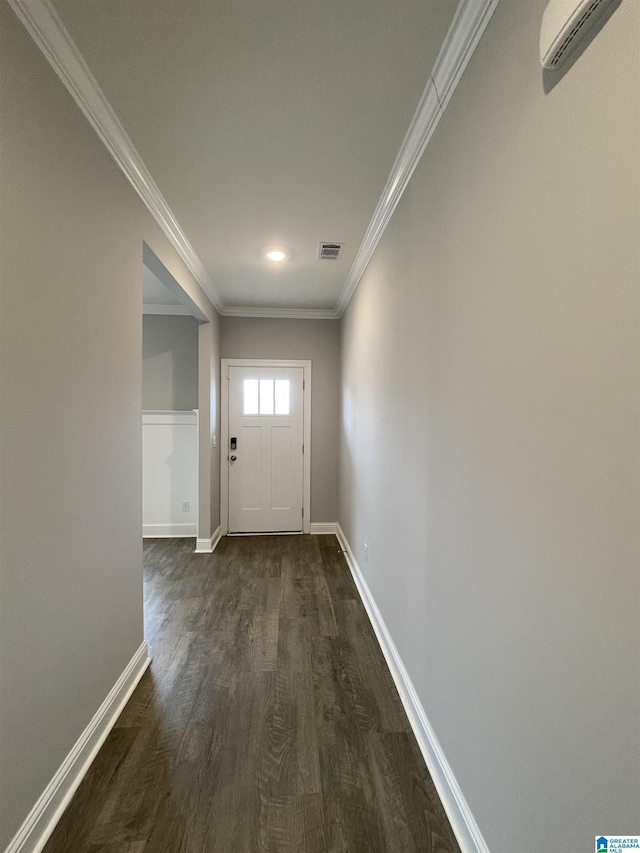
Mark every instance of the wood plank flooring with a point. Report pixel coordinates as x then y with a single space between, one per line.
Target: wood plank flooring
267 723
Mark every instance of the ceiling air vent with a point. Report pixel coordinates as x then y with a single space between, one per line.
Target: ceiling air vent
329 251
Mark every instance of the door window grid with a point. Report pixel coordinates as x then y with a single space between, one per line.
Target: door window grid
266 397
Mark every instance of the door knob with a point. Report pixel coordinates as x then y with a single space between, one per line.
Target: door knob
232 458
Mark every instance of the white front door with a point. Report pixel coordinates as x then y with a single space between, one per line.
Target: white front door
265 453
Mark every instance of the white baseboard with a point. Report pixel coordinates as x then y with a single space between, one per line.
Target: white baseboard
462 821
43 817
208 546
169 531
326 527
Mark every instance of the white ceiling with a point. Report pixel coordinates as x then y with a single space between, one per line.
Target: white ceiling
265 122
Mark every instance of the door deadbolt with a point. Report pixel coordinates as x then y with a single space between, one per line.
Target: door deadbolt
232 458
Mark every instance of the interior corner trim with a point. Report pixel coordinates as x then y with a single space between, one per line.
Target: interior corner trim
45 27
467 27
208 546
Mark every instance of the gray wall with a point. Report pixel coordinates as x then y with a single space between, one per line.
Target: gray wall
318 340
169 362
71 238
489 445
209 425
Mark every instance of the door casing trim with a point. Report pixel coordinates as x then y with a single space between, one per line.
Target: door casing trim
225 364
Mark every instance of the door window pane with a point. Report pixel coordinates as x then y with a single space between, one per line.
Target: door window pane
251 396
282 396
266 396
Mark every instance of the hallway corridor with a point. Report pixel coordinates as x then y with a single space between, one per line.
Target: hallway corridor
268 720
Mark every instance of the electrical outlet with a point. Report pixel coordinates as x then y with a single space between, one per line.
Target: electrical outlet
186 506
366 553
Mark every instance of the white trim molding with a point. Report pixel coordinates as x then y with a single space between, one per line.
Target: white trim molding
282 313
172 417
43 817
318 528
208 546
47 30
465 32
172 310
169 531
462 821
467 27
225 364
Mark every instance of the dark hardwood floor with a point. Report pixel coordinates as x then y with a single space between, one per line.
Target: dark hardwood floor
268 720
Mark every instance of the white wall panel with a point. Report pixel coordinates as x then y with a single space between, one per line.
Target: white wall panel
169 473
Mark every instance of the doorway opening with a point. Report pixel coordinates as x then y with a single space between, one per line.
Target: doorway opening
170 405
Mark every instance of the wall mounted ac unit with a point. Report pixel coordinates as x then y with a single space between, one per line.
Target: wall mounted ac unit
564 24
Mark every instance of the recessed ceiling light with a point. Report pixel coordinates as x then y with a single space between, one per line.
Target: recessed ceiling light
276 254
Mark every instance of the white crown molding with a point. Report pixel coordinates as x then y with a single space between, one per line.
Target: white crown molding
466 30
172 310
281 313
49 33
460 816
467 27
43 817
423 124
